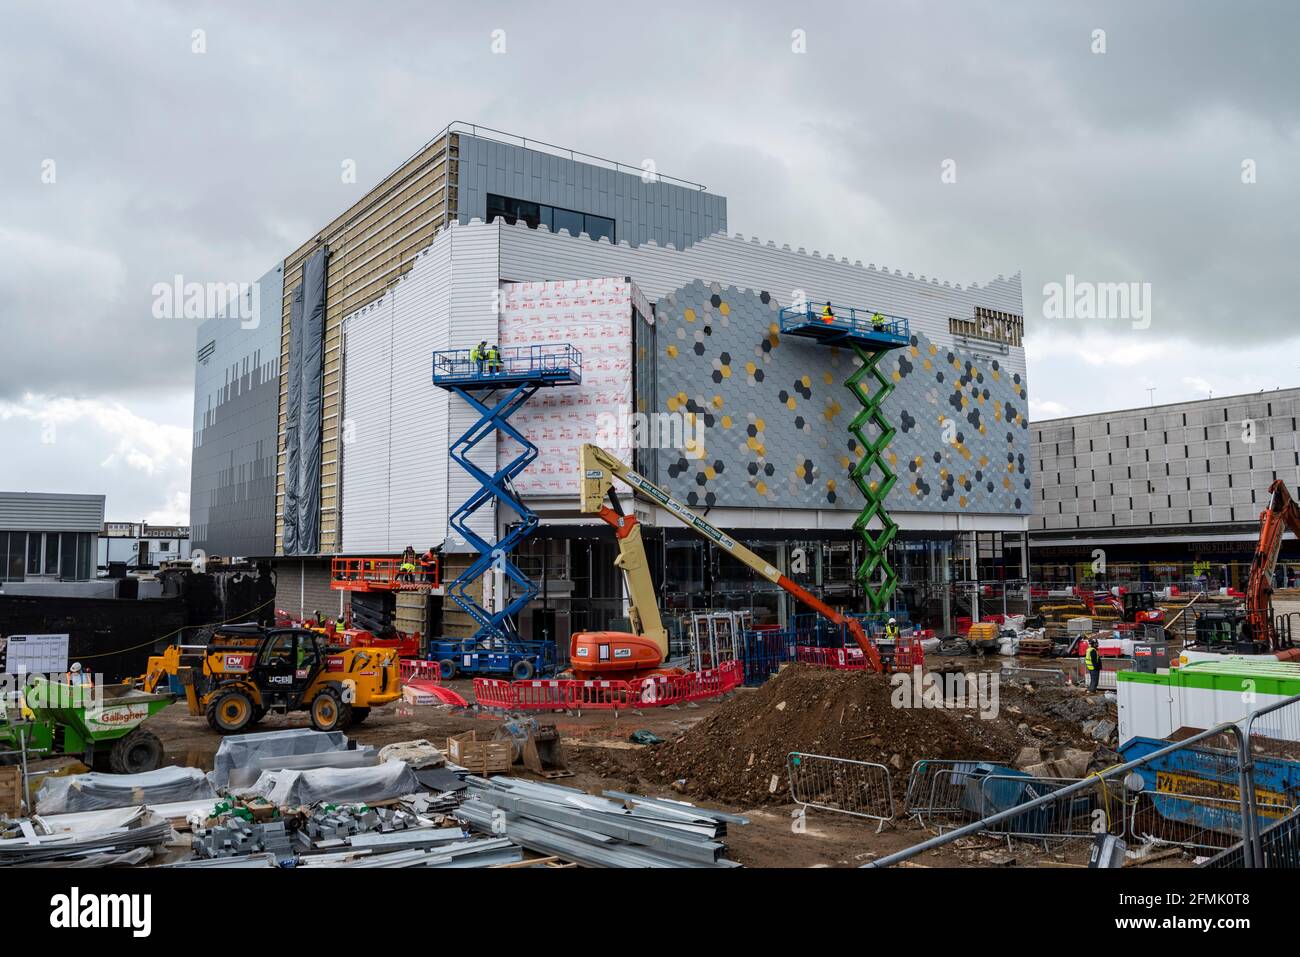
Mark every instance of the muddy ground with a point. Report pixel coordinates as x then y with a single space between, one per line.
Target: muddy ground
709 746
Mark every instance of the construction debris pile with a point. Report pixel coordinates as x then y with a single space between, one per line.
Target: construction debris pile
615 829
738 754
301 798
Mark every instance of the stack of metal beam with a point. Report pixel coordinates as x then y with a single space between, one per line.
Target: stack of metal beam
47 849
456 851
613 830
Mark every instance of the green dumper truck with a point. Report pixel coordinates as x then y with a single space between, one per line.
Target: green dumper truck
98 724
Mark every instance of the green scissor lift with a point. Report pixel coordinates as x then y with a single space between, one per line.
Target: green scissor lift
870 335
100 725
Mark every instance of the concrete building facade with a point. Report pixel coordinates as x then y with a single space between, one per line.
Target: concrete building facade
1164 489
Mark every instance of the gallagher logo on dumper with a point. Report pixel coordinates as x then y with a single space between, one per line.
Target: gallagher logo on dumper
75 910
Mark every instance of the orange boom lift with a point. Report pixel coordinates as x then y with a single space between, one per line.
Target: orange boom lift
642 652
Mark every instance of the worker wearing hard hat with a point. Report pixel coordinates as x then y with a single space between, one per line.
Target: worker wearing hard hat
828 314
1092 662
891 630
76 676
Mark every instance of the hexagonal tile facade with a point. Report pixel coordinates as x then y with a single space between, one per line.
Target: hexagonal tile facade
775 414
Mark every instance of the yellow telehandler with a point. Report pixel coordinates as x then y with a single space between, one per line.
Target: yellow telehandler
245 671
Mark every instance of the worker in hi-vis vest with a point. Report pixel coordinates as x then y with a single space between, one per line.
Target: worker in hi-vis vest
493 359
1092 661
828 314
478 355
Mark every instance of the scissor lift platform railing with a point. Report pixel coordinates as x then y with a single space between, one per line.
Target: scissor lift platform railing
847 325
540 366
382 575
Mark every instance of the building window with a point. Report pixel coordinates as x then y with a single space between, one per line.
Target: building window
51 553
552 217
13 548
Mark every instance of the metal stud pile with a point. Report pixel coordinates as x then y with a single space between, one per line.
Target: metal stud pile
236 837
128 845
613 830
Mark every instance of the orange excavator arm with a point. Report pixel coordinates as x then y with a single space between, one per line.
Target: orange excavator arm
1282 513
599 468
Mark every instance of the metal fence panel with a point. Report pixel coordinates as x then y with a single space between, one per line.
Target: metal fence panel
935 789
1192 820
858 788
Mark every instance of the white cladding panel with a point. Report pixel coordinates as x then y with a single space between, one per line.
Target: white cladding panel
535 254
394 419
367 424
451 300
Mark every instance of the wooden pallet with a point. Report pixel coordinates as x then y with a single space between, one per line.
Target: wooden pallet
11 791
1035 647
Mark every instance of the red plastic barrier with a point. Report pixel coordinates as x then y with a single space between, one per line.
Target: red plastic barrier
908 653
417 669
572 695
848 659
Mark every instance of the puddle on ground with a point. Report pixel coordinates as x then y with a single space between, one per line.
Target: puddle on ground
200 758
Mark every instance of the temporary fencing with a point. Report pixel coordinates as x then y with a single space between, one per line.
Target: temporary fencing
858 788
569 694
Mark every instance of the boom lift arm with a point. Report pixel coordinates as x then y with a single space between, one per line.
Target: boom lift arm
1282 513
599 468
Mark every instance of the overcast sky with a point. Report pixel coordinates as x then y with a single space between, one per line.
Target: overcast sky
959 140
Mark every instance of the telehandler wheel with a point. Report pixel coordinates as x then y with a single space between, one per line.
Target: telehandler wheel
230 712
359 714
328 712
136 753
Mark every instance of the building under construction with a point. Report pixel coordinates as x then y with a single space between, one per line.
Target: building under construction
686 372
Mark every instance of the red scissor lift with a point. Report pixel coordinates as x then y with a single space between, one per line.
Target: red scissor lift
369 622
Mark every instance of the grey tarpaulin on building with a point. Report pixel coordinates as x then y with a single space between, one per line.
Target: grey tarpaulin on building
293 411
303 419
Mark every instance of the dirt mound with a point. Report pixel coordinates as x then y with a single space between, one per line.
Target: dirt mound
732 755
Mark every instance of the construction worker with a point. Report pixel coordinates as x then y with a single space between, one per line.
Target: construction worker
1092 662
493 359
478 355
429 565
406 572
76 676
320 619
877 322
828 314
891 630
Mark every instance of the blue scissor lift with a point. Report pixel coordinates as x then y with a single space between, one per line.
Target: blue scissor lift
496 391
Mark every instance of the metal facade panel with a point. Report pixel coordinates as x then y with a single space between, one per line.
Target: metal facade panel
662 212
395 420
51 512
419 469
473 300
1182 439
367 426
530 255
236 422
